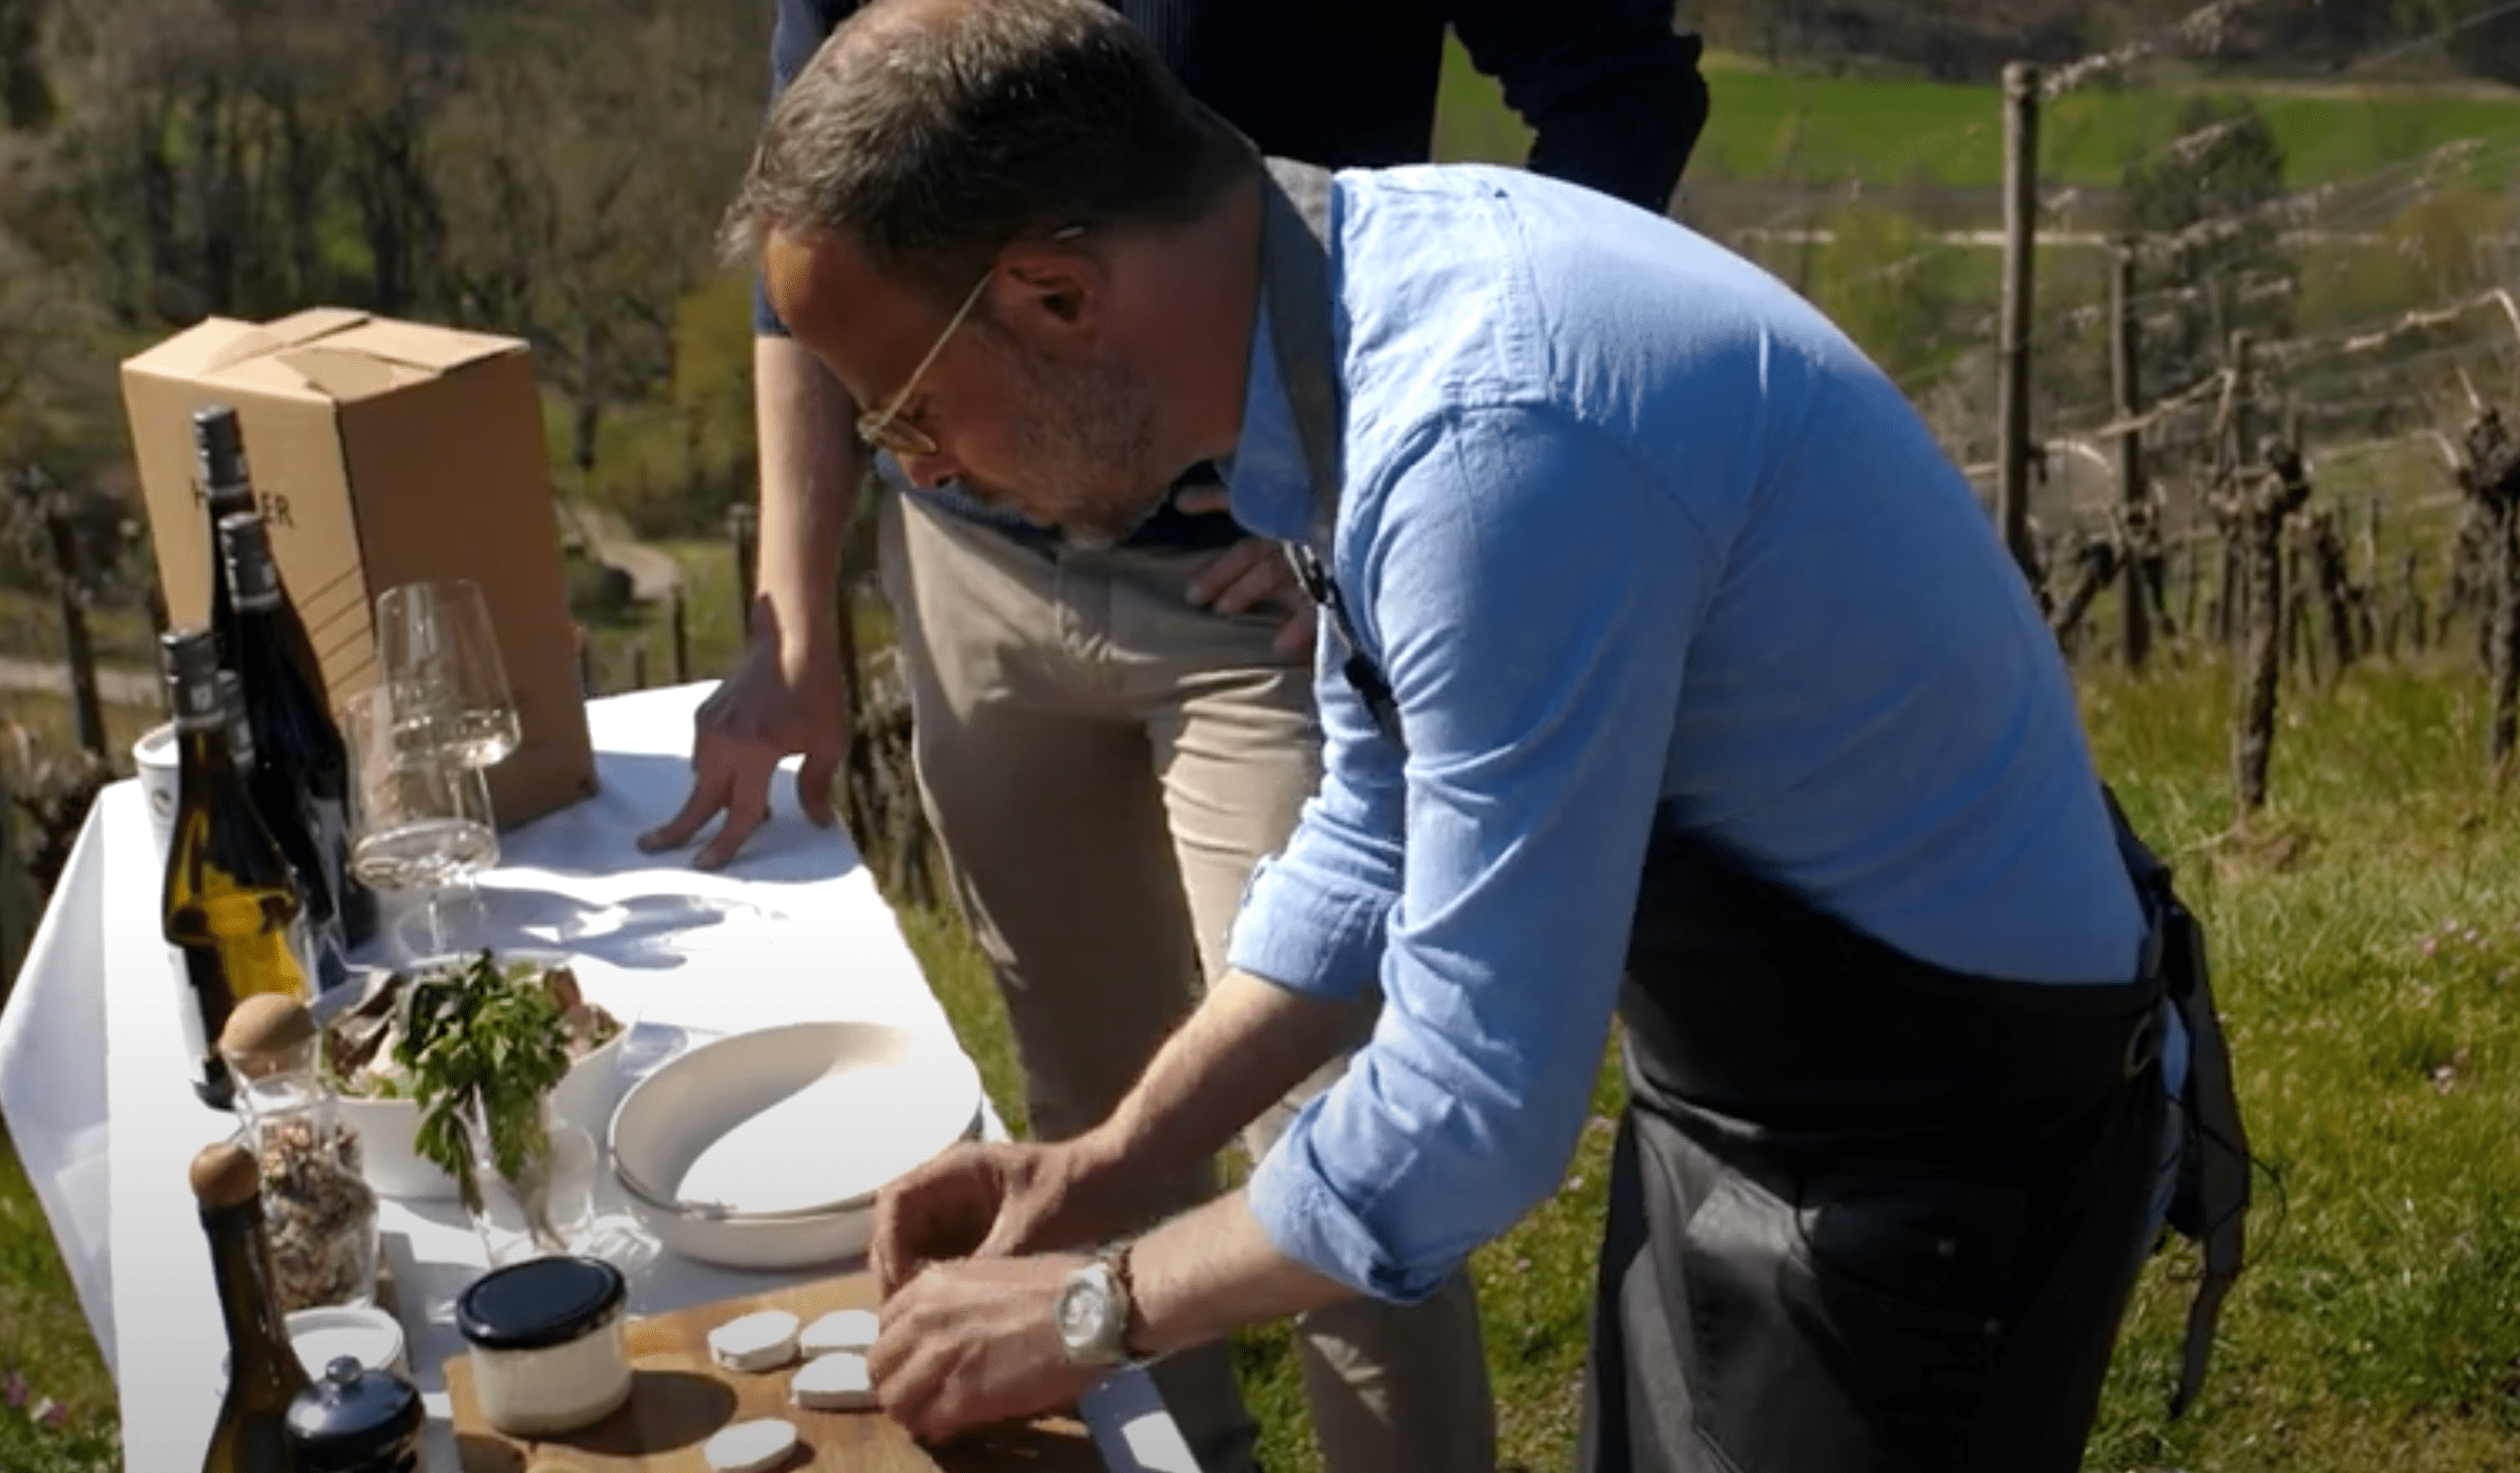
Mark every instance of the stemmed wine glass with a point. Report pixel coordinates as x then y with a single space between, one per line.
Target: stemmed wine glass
419 813
438 653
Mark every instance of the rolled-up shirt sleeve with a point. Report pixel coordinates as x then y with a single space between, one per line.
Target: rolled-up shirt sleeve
1312 919
1532 596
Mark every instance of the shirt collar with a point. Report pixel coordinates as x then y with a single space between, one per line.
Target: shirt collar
1265 477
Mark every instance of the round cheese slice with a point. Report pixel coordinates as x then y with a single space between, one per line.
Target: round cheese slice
755 1342
834 1383
750 1447
841 1329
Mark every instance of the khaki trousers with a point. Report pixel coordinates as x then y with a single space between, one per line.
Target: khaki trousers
1105 762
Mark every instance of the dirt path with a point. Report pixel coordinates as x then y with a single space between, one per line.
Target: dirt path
117 687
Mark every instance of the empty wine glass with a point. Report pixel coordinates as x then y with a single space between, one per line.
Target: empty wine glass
420 815
436 651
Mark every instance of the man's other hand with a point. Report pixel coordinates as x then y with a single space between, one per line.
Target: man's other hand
774 705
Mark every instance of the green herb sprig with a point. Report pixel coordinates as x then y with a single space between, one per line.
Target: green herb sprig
481 1045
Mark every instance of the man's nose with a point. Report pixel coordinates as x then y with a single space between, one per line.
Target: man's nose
929 472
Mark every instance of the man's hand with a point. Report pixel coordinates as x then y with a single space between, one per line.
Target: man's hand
1252 573
770 707
991 1200
967 1345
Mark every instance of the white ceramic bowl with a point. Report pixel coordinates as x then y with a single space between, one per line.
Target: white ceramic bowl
765 1149
584 1097
386 1128
371 1337
364 1333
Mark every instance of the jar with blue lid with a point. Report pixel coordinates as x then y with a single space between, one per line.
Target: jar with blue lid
549 1344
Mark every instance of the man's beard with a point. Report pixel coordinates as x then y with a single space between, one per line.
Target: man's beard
1086 441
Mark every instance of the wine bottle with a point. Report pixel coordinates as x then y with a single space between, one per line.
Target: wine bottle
228 899
286 812
219 451
263 1371
292 729
211 999
320 954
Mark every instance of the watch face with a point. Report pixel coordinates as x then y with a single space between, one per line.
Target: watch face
1087 1315
1083 1309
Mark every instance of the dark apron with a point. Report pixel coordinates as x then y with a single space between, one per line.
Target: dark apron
1865 1213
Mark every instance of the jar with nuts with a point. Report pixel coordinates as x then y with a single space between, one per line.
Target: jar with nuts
319 1213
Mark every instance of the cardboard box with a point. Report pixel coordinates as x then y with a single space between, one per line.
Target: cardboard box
385 452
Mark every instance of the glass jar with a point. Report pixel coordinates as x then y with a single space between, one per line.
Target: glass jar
319 1212
546 1210
549 1344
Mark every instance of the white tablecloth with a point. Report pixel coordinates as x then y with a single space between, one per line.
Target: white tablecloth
794 929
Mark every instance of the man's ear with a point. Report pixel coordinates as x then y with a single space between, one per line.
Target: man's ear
1053 294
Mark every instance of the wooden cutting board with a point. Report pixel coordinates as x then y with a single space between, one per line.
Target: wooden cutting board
680 1397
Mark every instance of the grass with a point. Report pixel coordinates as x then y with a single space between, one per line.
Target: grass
1782 126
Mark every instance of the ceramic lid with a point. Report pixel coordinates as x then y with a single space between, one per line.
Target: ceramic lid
354 1419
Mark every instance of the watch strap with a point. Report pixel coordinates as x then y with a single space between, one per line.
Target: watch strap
1116 1263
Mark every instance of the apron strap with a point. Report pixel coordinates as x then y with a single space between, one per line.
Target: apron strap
2210 1203
1295 261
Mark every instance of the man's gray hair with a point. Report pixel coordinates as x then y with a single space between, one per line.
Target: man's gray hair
932 133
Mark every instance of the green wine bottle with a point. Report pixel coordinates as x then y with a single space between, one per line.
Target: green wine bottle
229 899
264 1372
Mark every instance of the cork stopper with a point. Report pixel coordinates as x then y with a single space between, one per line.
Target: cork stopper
265 1030
224 1175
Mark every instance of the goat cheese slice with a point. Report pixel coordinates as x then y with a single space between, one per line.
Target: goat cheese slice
750 1447
754 1342
841 1329
834 1383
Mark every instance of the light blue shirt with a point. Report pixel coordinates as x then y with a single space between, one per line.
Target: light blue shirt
1632 530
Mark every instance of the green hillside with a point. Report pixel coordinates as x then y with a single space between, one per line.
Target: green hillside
1778 126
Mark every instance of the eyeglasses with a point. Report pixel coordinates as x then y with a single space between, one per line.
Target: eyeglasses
884 429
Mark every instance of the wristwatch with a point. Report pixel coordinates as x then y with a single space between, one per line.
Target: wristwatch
1093 1308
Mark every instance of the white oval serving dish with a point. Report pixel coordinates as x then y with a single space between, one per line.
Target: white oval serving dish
765 1149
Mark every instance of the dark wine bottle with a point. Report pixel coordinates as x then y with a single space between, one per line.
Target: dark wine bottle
230 902
226 488
292 729
264 1373
316 934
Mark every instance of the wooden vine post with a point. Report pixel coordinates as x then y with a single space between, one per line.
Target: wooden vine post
2339 599
69 586
2252 512
2491 480
2020 249
2142 603
743 532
